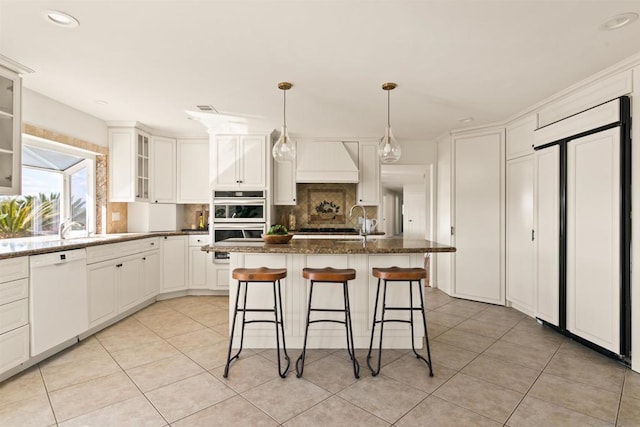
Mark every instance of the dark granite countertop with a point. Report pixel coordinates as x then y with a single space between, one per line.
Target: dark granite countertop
12 248
329 246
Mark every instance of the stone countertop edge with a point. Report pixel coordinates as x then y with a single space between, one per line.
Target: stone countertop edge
332 246
14 248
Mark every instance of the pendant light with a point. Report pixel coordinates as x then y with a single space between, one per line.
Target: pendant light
389 148
285 149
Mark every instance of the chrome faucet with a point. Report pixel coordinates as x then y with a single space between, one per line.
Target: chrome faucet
65 226
363 229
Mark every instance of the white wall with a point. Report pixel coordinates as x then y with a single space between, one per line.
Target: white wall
39 110
417 152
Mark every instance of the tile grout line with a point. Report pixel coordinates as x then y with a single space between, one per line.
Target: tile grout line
135 384
46 389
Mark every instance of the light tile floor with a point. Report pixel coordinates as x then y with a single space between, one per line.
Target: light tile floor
163 366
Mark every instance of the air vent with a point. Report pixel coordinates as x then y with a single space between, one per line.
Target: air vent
207 108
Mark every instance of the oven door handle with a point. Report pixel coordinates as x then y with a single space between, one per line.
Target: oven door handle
260 202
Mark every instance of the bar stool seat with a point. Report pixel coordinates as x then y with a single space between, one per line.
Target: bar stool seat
398 274
261 275
330 275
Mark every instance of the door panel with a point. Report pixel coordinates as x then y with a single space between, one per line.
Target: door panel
547 237
593 236
478 217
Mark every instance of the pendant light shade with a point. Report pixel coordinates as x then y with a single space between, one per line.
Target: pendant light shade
389 149
285 149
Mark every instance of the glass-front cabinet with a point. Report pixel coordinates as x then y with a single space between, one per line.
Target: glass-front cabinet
128 164
10 155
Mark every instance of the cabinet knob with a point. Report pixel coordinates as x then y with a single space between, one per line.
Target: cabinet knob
144 258
152 243
294 199
165 237
118 265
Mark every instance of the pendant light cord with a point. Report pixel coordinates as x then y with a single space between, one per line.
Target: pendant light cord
388 108
284 113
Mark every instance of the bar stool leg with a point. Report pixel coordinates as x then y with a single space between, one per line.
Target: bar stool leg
277 301
300 361
373 325
233 327
349 329
426 335
381 321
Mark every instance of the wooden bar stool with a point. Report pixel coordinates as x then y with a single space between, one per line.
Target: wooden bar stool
397 274
259 275
330 275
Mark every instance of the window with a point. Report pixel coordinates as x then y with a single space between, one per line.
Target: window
58 186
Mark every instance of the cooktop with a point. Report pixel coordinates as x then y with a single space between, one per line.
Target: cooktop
327 230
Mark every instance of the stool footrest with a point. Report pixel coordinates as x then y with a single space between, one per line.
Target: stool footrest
327 320
330 310
246 322
403 308
255 310
393 320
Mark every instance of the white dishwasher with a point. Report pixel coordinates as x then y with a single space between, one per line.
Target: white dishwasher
58 298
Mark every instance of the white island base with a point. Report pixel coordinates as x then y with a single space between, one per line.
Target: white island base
295 289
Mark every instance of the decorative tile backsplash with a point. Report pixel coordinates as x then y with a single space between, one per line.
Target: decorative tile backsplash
323 205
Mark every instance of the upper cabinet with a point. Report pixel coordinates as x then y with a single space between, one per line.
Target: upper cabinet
520 136
284 183
10 132
163 170
193 171
128 164
240 161
369 166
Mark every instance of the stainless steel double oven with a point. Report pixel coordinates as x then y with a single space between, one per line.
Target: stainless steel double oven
238 215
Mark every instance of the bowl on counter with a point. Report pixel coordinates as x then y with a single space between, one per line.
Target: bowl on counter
277 238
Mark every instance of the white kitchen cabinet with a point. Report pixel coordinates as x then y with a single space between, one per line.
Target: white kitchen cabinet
128 282
193 171
520 136
368 189
14 312
162 170
284 183
240 161
520 234
218 275
198 277
101 292
128 164
120 276
10 131
547 234
150 271
478 216
174 256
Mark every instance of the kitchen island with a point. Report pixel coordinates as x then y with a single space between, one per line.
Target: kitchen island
319 253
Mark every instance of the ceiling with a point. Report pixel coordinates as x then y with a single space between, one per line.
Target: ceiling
153 60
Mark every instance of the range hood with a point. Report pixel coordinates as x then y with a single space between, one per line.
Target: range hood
327 162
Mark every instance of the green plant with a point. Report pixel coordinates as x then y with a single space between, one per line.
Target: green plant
19 214
277 229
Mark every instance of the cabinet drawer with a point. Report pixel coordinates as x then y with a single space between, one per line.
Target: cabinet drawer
14 348
199 240
116 250
14 290
14 315
14 268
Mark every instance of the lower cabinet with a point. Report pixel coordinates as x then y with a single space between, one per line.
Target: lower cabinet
203 272
174 263
14 312
118 283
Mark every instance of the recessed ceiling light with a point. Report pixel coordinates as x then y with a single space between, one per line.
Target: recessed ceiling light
60 18
466 120
619 21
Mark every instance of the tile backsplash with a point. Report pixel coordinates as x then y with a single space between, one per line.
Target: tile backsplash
323 205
